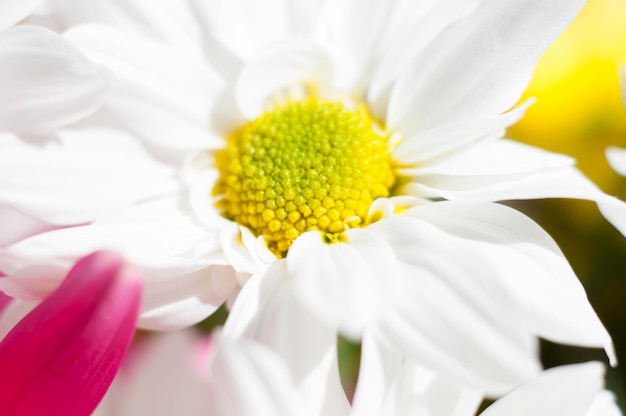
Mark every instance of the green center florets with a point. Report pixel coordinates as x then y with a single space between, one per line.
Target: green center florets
308 165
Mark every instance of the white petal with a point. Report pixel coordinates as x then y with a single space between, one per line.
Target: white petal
16 226
45 81
377 369
617 159
186 275
11 11
488 162
63 187
369 38
341 282
249 378
267 310
439 142
154 235
541 282
392 384
277 69
165 96
418 22
479 67
450 313
567 390
184 300
31 280
563 182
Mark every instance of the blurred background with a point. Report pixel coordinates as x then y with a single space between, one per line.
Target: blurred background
580 112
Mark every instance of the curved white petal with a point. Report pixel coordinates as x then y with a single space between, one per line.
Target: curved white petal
268 310
249 378
277 70
29 279
162 94
563 182
368 40
45 81
16 225
11 11
441 141
567 390
341 282
186 299
480 66
155 235
420 23
451 313
65 187
526 260
489 162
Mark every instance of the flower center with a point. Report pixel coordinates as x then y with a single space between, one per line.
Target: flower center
307 165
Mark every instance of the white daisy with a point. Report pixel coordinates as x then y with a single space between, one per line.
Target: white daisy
223 146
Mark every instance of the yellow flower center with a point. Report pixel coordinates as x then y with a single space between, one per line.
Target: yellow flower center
307 165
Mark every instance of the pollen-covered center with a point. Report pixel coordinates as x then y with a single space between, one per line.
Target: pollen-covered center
308 165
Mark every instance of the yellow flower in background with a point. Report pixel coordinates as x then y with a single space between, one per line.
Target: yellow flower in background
579 110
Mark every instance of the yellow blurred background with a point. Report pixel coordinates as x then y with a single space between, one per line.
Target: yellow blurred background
580 112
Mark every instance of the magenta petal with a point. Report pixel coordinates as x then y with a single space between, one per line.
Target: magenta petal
61 358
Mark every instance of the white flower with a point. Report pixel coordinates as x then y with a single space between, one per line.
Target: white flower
425 86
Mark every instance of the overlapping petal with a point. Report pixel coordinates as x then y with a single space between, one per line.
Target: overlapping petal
478 67
187 276
452 312
164 95
268 310
525 260
68 188
46 82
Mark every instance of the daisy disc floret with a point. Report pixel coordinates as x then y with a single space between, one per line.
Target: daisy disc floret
305 165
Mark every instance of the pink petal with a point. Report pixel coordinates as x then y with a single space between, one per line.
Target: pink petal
62 357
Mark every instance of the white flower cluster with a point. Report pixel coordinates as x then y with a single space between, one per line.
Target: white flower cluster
323 169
